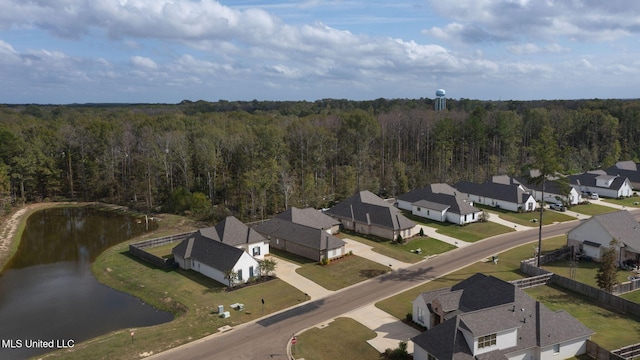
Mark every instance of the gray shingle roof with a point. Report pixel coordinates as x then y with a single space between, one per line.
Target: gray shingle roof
489 305
367 208
506 192
304 235
440 197
620 225
232 231
309 217
589 179
210 252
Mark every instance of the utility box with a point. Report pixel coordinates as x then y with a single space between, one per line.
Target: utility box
220 309
225 315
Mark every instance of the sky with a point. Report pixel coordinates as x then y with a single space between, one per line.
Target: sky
166 51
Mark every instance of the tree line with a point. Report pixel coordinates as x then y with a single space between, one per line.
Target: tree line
254 159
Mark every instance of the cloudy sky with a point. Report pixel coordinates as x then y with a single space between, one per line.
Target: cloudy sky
79 51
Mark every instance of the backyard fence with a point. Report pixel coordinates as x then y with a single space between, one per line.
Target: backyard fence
596 352
137 250
628 352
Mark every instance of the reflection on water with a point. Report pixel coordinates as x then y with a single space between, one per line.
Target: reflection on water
47 291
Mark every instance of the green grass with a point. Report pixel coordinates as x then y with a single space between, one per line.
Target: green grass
585 272
525 219
612 330
344 338
469 233
401 252
507 269
343 272
628 202
592 209
163 251
193 297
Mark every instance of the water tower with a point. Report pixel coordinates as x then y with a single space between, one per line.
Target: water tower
441 101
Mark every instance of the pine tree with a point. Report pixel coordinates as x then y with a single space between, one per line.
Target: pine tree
606 275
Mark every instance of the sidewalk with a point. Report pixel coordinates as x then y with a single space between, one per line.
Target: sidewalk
495 218
365 251
286 271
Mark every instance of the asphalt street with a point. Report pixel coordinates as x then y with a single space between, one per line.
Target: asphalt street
267 338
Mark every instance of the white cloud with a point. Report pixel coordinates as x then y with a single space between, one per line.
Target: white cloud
144 62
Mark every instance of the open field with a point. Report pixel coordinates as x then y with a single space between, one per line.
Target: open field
343 338
592 209
343 272
402 252
469 233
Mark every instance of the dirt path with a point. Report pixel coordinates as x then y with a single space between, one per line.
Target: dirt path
9 227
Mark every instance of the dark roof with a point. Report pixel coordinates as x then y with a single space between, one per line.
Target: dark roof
440 197
489 305
514 193
367 208
589 179
232 231
551 186
309 217
210 252
304 235
627 169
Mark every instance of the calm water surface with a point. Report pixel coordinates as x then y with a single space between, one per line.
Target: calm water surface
47 291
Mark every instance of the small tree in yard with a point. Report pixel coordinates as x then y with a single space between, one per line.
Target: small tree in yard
232 276
606 275
267 266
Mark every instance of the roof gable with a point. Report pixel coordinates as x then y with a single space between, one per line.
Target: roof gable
210 252
367 208
514 193
304 235
233 232
309 217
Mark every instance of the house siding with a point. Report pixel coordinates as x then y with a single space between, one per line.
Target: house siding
568 349
591 231
429 213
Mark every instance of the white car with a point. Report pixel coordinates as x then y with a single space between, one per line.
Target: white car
594 196
557 207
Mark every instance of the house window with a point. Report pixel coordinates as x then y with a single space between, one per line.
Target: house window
239 275
256 251
251 274
486 341
427 212
419 209
556 348
431 357
420 315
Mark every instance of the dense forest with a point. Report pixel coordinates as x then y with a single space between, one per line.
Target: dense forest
254 159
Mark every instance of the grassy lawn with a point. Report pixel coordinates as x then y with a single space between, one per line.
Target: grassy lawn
525 219
628 202
507 269
402 252
343 272
612 330
469 233
344 338
194 299
592 209
163 251
585 272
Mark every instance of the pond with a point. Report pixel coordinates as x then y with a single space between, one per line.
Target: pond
48 295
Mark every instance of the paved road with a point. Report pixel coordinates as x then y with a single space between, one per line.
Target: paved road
268 337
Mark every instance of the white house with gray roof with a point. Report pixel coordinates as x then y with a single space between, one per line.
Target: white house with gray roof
509 196
367 213
485 318
603 184
593 235
305 232
440 202
229 245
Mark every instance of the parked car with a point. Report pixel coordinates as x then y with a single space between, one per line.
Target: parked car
557 207
594 196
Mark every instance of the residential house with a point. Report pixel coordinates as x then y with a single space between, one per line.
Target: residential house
367 213
509 196
440 202
598 181
590 237
628 169
224 247
554 191
484 318
305 232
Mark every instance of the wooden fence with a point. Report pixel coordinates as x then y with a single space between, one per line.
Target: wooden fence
532 281
628 352
137 250
596 352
